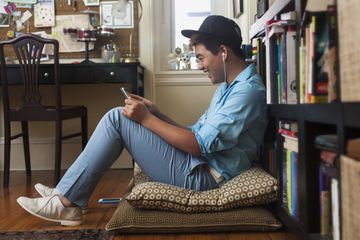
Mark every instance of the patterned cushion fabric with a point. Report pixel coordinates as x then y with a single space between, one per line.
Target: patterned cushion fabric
252 187
127 219
139 176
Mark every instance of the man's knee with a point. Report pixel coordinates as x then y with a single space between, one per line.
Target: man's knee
113 114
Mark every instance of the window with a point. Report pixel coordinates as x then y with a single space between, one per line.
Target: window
188 14
172 16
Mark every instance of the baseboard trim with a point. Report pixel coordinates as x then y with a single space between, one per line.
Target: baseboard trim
41 140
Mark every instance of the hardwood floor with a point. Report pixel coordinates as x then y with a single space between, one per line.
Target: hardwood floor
113 184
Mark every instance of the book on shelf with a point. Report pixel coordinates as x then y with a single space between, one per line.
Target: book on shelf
318 69
327 172
328 146
290 166
284 182
288 128
318 83
290 48
290 173
271 64
291 15
302 70
332 61
260 58
288 125
280 41
335 207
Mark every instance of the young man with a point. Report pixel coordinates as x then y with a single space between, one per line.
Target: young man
220 145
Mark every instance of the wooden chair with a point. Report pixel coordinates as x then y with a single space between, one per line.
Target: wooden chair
28 49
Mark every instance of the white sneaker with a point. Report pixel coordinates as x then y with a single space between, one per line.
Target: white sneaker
51 209
46 191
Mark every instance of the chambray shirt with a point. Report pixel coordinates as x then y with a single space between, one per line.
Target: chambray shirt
230 132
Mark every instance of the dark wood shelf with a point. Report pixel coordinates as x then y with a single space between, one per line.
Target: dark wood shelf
352 114
291 223
319 237
322 113
286 111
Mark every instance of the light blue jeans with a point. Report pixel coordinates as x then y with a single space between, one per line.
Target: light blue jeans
159 160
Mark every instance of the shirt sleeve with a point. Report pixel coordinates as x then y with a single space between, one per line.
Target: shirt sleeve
223 127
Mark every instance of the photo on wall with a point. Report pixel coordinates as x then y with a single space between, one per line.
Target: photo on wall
117 14
4 20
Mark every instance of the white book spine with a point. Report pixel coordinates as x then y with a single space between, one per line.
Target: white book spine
335 208
291 67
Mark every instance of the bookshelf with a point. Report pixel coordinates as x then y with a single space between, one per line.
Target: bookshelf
313 119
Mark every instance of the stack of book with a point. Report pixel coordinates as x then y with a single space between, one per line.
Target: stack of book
290 165
328 185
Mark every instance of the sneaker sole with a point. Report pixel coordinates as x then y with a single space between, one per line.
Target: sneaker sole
62 222
84 210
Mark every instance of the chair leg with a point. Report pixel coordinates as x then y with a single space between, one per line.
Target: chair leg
58 143
25 130
84 131
7 136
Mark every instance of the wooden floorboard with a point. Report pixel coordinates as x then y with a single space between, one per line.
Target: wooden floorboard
113 184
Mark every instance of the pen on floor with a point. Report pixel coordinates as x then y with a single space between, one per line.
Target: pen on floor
110 200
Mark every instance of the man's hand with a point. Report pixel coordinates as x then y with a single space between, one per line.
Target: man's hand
143 111
136 110
150 105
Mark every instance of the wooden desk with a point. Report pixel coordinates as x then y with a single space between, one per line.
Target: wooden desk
88 73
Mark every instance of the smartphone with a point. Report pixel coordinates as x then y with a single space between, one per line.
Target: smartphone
109 200
124 93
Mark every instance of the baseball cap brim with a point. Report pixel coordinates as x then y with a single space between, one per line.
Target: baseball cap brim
189 33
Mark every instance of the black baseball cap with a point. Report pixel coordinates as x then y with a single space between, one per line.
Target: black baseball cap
219 27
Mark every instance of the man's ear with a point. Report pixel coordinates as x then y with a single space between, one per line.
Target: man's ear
224 52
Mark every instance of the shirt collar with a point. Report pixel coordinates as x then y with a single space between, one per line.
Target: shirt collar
242 76
245 74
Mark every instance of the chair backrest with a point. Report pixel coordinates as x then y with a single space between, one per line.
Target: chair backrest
28 50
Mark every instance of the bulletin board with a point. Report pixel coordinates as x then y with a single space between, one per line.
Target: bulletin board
120 37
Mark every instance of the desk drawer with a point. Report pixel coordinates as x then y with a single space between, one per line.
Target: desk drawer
77 74
112 74
45 76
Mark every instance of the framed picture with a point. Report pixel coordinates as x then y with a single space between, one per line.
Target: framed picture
91 2
238 6
4 20
117 15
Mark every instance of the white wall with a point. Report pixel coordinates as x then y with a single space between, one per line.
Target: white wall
99 98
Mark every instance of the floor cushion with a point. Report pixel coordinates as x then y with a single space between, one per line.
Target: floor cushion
218 210
128 219
252 187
